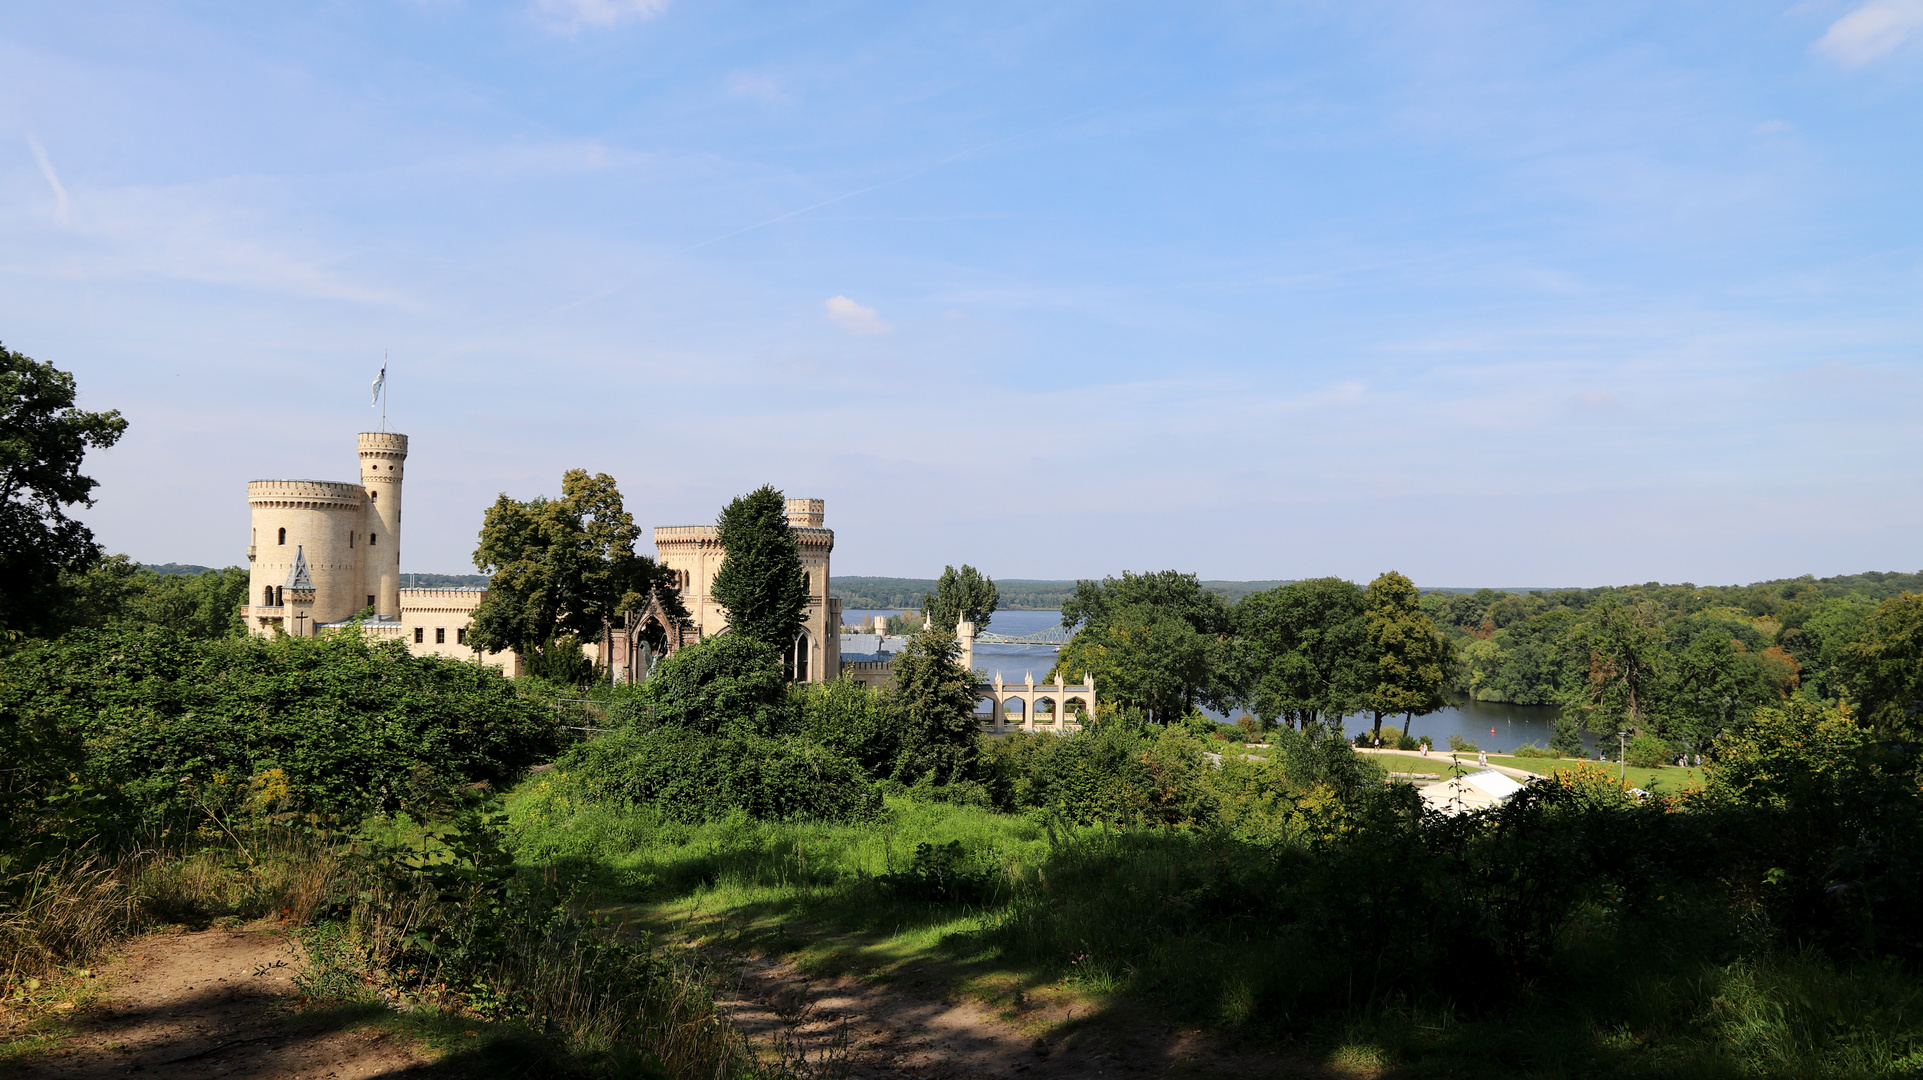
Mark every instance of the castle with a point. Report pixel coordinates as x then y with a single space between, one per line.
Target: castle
326 552
326 555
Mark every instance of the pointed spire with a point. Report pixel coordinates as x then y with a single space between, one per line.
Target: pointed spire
298 577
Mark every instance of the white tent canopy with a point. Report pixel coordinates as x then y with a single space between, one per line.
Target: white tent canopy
1475 791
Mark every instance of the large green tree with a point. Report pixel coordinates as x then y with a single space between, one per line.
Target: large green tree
562 569
1301 651
1156 642
961 596
1627 667
1887 667
43 438
761 583
1410 659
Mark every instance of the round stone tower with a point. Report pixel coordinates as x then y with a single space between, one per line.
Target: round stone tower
383 465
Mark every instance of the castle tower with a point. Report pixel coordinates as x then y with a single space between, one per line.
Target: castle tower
383 466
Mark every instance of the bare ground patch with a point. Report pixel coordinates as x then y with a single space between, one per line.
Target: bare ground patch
835 1026
219 1003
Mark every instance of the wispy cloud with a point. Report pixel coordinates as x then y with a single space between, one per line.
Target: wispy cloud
1872 31
574 14
855 318
53 178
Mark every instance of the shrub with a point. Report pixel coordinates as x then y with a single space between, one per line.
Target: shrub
692 776
1407 742
1647 751
730 682
1457 742
141 726
1531 750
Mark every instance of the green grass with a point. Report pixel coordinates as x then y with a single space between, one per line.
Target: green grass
1114 924
1666 780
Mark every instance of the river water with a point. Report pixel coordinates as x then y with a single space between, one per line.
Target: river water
1490 725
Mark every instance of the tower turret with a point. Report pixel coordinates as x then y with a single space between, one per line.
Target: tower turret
383 466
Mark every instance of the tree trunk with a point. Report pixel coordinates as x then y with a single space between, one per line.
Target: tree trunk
1378 726
1406 717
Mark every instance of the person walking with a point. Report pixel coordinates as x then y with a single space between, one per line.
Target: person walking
1482 758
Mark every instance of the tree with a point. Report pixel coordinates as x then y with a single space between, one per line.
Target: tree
116 591
562 569
1300 650
932 706
1156 641
1410 657
1170 591
43 438
964 596
1887 666
1149 658
761 583
1627 667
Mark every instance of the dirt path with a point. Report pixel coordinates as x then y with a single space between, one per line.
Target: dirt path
218 1003
841 1026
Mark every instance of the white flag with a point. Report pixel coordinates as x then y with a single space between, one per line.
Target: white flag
380 381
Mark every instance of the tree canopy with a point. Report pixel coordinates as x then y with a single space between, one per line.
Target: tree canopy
1407 658
43 438
562 568
1300 651
761 583
961 596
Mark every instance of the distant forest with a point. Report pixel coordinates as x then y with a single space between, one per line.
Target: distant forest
408 581
1018 594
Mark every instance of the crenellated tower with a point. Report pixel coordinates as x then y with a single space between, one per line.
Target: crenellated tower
383 467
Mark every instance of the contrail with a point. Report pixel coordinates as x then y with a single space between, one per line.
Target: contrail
53 178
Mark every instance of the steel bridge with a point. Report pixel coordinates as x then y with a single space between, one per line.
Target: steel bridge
1055 636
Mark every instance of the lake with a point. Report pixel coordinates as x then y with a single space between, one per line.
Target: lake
1490 725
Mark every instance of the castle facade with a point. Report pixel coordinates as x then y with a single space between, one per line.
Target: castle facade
323 553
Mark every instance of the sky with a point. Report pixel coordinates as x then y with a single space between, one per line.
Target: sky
1490 293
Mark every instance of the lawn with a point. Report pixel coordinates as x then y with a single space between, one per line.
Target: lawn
1667 779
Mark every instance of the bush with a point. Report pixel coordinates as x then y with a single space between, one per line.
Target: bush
1112 772
140 727
731 682
1407 742
1647 751
692 776
1457 742
1531 750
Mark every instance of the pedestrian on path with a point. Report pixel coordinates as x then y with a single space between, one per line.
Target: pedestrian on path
1482 757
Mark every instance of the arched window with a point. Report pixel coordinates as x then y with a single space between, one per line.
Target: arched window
280 595
372 539
267 596
283 537
350 540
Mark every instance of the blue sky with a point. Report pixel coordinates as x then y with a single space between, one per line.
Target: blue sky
1490 293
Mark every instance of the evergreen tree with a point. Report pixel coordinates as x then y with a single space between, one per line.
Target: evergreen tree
932 706
961 596
761 583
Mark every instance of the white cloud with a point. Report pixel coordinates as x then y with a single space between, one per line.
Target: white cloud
53 178
854 318
1872 31
574 14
